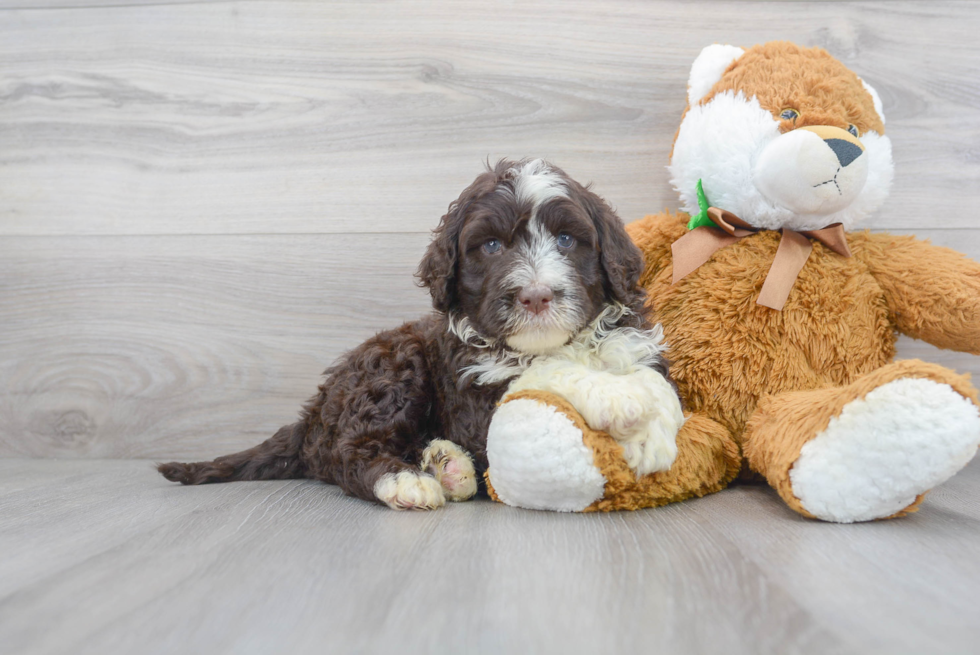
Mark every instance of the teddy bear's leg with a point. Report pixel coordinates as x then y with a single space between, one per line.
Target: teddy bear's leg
869 450
707 460
543 455
537 456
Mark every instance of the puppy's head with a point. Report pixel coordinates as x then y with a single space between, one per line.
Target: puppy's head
530 257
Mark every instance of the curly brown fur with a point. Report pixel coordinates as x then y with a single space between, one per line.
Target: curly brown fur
384 401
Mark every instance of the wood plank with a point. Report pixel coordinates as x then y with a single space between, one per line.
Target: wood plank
48 5
297 117
154 347
872 574
106 557
191 347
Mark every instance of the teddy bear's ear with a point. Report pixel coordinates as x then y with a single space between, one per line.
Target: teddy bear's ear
708 69
876 99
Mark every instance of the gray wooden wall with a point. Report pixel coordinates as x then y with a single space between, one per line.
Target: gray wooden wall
203 203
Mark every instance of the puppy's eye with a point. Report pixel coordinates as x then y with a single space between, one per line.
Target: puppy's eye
491 246
565 241
789 114
852 129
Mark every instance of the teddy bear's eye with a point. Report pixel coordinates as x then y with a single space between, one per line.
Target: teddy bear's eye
852 129
789 114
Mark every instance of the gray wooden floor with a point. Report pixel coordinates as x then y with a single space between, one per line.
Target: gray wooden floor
203 203
105 557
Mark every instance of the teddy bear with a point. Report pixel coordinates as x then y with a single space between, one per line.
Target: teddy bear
780 319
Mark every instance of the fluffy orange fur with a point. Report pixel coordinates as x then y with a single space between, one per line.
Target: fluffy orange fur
726 351
775 379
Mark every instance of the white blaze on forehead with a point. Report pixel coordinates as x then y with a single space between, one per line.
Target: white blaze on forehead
535 182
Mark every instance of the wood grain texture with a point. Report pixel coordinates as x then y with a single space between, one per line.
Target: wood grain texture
295 117
105 557
204 204
159 346
195 346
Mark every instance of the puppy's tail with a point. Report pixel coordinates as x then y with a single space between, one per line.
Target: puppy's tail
277 458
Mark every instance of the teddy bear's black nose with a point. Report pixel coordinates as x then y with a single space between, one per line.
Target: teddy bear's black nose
845 150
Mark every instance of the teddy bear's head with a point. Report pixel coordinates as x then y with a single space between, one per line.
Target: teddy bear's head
781 136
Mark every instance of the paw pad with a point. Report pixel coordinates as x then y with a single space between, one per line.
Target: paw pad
452 467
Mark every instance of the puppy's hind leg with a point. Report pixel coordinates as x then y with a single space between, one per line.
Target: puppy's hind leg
452 467
374 412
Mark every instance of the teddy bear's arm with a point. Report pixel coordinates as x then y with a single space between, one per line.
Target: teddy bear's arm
933 293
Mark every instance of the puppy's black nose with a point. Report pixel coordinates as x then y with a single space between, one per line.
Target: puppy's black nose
845 150
535 297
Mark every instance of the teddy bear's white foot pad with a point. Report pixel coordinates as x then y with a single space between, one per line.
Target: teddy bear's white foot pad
538 461
883 450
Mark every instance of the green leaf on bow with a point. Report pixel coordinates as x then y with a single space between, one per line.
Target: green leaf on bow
701 218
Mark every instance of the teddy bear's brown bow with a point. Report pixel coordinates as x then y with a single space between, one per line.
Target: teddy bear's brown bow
697 246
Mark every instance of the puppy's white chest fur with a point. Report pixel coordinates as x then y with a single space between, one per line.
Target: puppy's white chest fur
605 374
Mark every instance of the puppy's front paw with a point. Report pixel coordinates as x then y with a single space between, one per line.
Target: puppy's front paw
652 451
626 414
409 490
452 467
614 408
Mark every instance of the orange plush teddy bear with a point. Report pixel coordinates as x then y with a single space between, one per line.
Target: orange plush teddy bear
780 322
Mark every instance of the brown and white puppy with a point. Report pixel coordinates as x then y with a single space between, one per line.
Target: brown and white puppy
525 262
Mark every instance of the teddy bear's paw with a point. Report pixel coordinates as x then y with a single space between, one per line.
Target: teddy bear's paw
882 451
409 490
452 467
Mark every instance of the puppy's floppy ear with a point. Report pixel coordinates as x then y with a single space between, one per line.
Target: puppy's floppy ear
621 260
438 268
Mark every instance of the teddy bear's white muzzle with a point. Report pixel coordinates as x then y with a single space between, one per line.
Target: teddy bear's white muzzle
812 170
